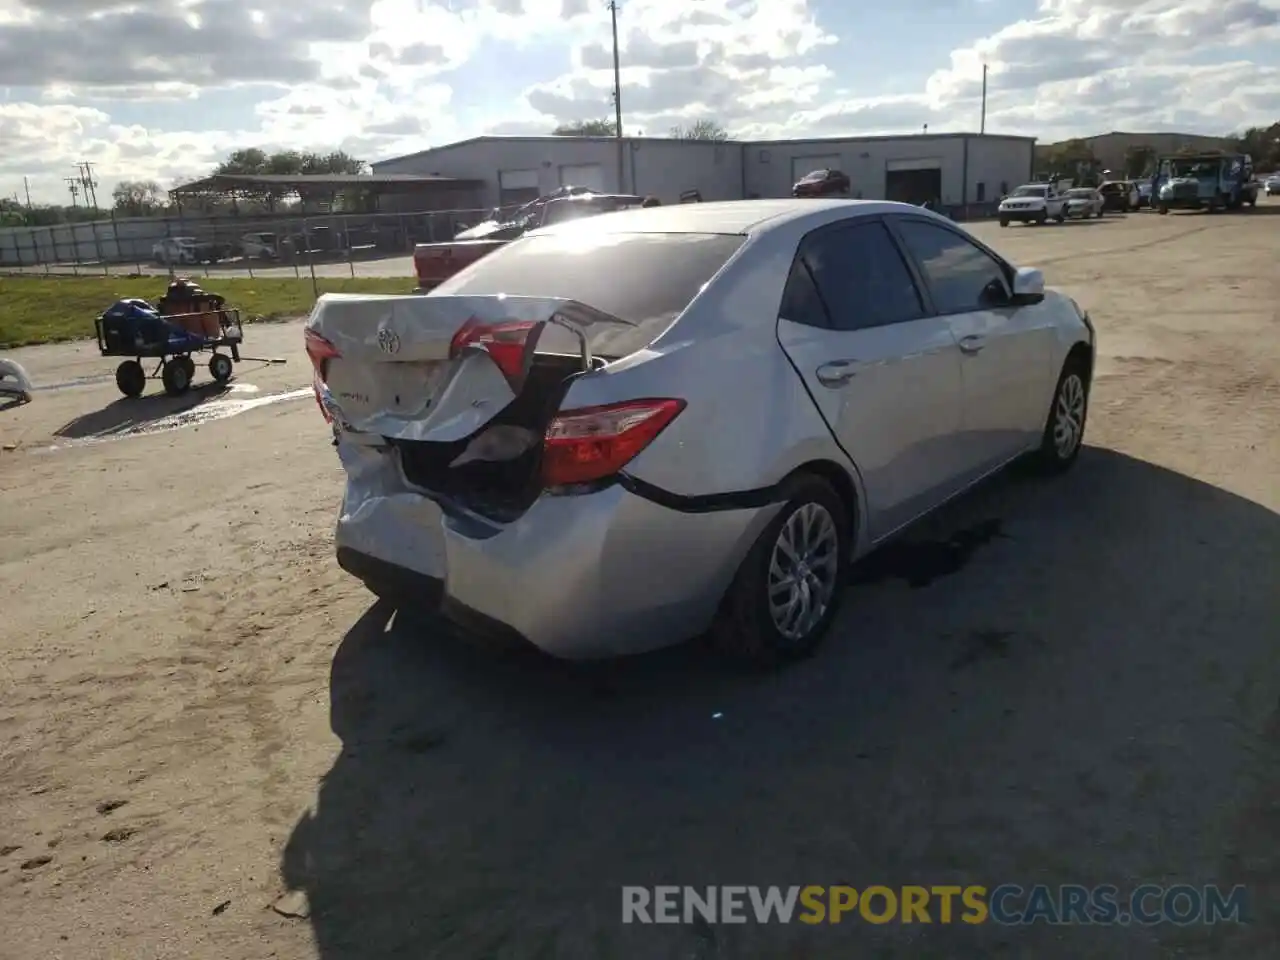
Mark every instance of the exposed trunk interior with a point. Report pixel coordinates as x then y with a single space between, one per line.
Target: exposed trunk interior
501 489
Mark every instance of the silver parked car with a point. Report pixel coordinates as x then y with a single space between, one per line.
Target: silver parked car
616 433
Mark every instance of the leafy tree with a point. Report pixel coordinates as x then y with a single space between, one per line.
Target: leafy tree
288 163
701 130
1261 143
137 198
586 128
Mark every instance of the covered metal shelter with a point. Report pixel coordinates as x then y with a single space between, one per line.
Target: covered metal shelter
364 192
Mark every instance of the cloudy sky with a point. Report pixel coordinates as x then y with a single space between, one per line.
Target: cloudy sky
162 88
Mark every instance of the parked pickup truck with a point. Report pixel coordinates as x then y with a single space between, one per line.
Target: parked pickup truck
435 263
1033 203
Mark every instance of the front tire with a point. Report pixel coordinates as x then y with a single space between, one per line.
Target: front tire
787 590
1064 427
176 377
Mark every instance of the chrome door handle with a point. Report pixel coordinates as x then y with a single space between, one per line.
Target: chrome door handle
836 373
972 344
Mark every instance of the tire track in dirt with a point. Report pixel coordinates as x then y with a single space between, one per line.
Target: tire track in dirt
1141 245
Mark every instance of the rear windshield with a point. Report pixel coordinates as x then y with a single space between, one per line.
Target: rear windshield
647 279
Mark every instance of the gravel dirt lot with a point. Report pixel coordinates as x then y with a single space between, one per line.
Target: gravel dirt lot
1065 682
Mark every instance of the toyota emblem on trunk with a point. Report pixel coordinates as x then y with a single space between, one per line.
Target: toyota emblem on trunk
388 341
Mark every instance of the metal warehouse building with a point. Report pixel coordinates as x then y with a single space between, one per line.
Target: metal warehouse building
959 169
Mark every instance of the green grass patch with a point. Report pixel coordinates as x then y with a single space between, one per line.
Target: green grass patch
52 309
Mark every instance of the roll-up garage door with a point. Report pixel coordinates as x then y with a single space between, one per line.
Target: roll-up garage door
803 165
589 175
913 180
517 186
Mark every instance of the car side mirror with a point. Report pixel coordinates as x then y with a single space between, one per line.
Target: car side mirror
1028 286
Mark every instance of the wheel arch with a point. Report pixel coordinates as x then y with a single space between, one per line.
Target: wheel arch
1082 352
845 487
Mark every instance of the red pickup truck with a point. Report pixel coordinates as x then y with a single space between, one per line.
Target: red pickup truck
435 263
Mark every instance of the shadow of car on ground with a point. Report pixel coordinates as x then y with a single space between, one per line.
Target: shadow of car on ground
1063 682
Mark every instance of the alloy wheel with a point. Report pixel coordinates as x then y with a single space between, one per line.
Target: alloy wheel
802 571
1068 416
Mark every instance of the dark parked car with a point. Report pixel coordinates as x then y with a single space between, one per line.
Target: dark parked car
821 183
1121 195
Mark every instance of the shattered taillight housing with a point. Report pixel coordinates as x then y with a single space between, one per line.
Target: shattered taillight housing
510 344
321 351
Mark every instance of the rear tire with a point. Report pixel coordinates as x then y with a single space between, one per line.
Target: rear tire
131 379
1064 427
787 590
1004 222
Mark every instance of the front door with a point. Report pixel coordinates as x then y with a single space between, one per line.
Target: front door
1005 350
884 373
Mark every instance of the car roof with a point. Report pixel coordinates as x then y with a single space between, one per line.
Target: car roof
728 217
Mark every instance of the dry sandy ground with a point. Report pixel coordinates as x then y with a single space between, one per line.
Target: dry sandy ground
1072 681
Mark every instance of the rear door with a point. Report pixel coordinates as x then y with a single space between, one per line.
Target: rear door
1005 351
884 372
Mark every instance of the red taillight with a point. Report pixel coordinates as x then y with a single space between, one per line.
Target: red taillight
321 351
507 343
592 443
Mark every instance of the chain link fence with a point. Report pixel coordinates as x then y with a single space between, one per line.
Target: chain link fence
324 245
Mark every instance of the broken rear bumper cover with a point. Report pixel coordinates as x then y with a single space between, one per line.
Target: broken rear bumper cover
584 576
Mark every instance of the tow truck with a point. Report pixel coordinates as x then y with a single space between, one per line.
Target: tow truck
1205 181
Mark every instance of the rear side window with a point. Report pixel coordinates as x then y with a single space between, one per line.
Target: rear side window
861 277
647 279
962 277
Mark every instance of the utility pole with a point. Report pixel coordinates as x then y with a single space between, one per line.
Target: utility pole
982 123
88 183
27 189
73 185
617 96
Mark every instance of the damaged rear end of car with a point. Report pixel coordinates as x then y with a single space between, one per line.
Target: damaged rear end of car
461 395
489 431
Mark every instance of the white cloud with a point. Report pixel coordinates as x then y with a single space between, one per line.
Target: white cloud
374 76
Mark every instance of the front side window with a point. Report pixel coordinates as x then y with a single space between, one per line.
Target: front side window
962 277
861 277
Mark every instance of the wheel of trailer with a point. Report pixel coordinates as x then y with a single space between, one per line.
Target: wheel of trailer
220 367
176 377
190 366
131 378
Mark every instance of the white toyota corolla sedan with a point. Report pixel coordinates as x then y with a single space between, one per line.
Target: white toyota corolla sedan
616 433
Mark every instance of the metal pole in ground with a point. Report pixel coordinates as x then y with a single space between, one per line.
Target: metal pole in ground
291 244
346 241
311 263
97 245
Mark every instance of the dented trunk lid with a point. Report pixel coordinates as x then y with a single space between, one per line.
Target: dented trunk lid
411 367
